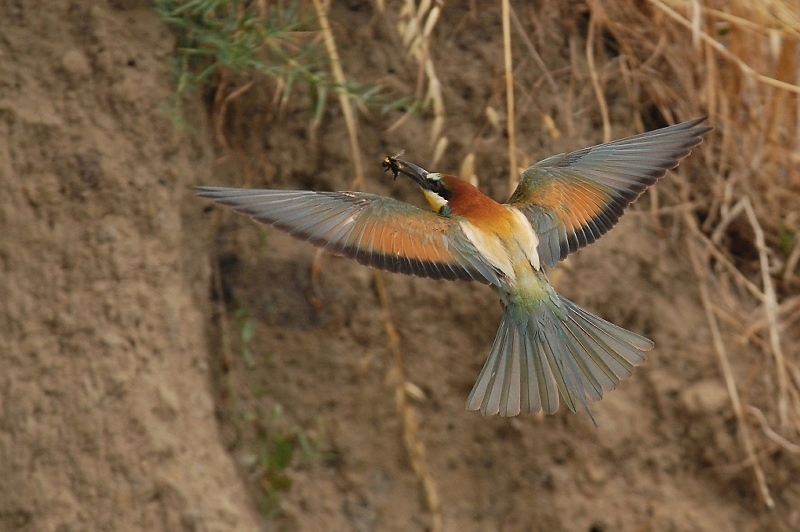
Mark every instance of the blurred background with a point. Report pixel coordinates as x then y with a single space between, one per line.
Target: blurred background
168 365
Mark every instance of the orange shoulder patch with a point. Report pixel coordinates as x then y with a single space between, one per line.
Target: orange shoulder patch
573 202
481 210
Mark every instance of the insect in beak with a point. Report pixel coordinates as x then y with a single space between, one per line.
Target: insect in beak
392 164
399 166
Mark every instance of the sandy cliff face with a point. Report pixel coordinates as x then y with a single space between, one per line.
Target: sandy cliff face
126 401
106 416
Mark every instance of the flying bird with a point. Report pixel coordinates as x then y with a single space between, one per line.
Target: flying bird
546 346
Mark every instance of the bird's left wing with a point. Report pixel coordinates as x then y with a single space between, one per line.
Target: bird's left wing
572 199
375 230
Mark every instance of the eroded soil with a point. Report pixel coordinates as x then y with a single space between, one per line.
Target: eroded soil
129 401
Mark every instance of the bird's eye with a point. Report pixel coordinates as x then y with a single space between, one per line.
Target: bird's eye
437 187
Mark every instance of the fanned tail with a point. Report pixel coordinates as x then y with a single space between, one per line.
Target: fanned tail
555 349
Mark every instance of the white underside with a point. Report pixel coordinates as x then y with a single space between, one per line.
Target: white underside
504 253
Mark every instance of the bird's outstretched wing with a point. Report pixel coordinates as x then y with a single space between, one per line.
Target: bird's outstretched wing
375 230
572 199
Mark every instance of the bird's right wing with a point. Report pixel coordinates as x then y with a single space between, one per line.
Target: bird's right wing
572 199
375 230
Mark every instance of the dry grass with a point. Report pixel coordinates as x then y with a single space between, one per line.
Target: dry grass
415 25
738 63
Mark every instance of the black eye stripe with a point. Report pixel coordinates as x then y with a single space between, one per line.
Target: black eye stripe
437 187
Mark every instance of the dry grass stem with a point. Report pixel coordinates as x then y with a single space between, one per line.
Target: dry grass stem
728 216
723 51
730 383
398 123
596 85
513 176
789 22
536 57
344 101
792 261
770 308
696 20
415 26
438 151
222 109
550 124
726 262
414 447
771 434
467 170
784 312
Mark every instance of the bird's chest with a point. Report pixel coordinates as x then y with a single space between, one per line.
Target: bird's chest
508 243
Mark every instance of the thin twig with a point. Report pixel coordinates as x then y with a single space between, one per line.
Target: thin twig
415 26
218 99
764 28
723 224
556 90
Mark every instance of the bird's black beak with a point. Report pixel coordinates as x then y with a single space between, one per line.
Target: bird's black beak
400 166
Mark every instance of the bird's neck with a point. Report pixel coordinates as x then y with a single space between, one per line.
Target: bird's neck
477 207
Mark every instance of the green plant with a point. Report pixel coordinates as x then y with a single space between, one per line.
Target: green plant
242 317
280 449
252 39
234 34
786 240
276 457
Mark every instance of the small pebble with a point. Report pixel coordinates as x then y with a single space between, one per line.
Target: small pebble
705 397
76 64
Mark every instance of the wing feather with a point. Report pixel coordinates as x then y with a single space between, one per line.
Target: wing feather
572 199
376 231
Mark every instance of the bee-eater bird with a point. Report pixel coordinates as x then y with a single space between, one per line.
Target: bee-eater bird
546 345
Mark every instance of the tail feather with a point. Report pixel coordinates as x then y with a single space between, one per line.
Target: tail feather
504 386
593 377
557 349
595 350
566 370
530 383
546 380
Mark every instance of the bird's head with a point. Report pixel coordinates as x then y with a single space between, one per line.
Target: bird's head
434 185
